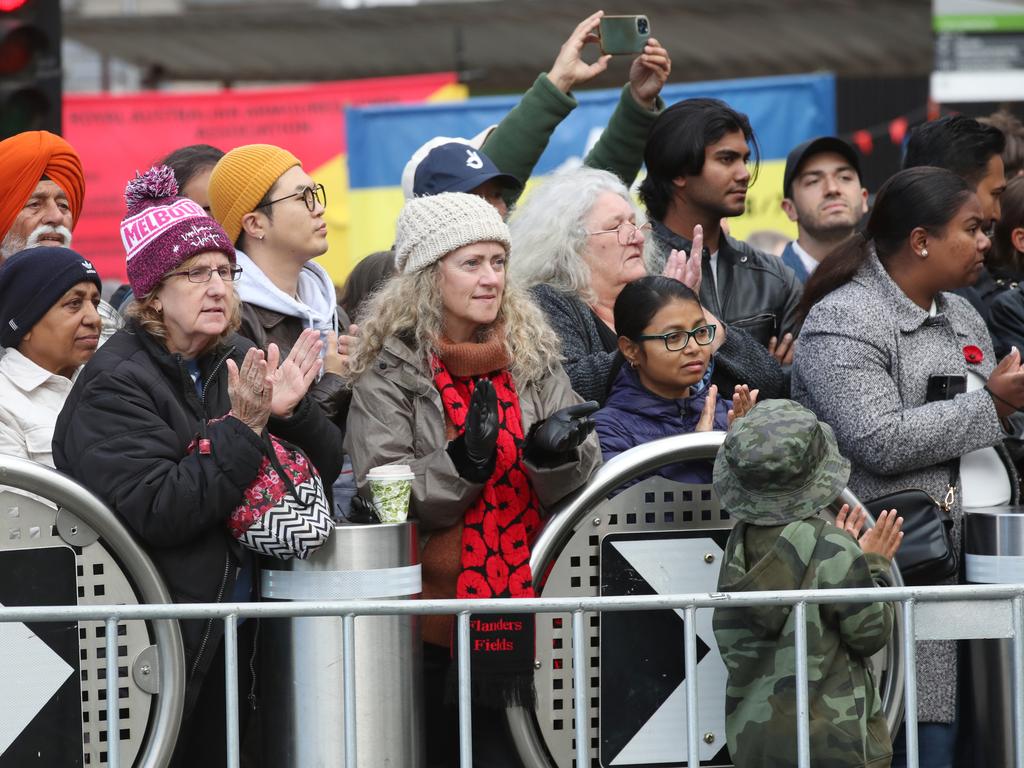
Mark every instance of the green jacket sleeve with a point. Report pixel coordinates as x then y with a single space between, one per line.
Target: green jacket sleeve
519 140
865 628
621 146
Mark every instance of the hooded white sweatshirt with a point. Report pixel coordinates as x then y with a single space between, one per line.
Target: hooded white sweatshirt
317 302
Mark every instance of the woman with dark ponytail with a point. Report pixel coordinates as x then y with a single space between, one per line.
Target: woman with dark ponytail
905 374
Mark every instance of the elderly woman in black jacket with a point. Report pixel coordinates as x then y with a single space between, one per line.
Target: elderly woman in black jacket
167 426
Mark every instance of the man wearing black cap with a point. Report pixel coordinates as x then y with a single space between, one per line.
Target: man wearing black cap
823 195
460 167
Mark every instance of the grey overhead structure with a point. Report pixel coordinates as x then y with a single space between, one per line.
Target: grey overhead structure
503 45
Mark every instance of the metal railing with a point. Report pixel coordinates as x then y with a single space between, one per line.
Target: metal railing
997 611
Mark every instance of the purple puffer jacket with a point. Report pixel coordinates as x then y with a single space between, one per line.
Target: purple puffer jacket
634 415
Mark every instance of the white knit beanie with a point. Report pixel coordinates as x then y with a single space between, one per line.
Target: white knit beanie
429 228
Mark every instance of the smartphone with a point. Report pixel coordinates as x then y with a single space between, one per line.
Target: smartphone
624 34
945 387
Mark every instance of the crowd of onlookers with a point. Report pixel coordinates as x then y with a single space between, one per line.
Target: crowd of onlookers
501 350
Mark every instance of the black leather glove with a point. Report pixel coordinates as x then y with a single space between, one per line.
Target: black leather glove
473 452
551 440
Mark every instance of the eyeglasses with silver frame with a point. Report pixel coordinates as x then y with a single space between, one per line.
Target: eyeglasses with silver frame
228 274
626 232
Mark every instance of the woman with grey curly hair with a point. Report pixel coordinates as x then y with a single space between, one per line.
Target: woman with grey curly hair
456 375
579 240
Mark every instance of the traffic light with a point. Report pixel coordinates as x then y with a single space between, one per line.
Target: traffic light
30 73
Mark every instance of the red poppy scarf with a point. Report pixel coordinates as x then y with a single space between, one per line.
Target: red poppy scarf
496 536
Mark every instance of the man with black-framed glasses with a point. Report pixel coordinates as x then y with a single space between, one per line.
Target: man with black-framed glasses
274 213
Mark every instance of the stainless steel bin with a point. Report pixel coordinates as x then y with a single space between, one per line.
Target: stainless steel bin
994 554
301 659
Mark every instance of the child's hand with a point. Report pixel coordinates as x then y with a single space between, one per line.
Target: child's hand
851 522
707 416
886 536
743 399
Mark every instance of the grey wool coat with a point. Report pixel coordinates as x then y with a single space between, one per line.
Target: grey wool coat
862 365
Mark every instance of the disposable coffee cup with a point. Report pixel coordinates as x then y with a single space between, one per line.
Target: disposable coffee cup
391 486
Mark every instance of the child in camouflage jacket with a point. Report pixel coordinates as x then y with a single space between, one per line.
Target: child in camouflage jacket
779 467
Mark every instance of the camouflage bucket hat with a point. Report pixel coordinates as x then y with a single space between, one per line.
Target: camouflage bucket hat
779 464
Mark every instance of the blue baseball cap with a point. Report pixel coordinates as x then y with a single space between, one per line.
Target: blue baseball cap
458 167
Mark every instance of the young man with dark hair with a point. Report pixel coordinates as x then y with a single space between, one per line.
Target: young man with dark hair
823 195
697 158
967 148
974 153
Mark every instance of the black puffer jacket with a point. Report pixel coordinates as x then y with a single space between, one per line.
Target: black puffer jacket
124 432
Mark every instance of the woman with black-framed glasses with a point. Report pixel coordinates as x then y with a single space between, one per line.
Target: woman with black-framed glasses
665 343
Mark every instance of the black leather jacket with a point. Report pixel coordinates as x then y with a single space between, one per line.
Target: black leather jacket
759 293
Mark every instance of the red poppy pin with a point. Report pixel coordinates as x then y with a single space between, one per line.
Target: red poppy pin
973 355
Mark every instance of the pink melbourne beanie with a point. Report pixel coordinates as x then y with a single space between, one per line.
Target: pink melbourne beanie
162 231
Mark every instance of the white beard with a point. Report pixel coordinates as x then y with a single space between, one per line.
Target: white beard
13 243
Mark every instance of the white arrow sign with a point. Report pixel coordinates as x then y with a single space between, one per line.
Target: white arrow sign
677 566
30 672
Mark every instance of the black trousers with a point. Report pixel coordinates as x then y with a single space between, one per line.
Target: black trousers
202 740
492 741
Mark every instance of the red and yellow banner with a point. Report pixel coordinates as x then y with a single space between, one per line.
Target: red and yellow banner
119 135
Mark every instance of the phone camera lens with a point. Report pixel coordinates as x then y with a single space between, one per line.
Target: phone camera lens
642 26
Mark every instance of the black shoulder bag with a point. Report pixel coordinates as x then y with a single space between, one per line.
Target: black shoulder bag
927 555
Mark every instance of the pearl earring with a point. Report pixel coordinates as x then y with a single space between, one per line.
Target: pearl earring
924 253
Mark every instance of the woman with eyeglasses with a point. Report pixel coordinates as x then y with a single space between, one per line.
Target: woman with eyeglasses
273 213
665 342
168 424
579 240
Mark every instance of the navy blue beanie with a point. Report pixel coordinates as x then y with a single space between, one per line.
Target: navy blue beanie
32 281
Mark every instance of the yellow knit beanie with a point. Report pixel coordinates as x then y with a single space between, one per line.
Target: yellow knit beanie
241 178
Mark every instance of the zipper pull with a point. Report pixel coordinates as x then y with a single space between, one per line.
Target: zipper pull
947 503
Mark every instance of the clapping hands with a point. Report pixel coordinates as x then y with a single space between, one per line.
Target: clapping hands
884 538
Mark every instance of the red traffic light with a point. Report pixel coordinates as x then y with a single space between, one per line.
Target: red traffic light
11 5
18 48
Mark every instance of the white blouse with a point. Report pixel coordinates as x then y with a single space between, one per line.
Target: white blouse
31 398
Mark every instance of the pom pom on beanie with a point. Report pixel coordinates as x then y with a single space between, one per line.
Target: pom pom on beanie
162 231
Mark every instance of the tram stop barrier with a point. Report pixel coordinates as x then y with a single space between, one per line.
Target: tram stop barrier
315 668
61 546
994 554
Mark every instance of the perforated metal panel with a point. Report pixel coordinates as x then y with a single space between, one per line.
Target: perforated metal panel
654 505
27 522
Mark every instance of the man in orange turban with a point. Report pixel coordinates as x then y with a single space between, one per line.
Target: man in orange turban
41 191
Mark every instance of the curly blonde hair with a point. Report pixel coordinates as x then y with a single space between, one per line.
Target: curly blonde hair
142 310
410 306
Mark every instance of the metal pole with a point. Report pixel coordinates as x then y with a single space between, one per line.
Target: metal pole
465 696
803 733
690 662
113 715
579 675
1018 681
231 687
910 692
348 626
